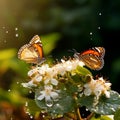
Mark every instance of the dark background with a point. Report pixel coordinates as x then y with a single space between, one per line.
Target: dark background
81 24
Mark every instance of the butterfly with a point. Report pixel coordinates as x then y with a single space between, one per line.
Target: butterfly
32 52
92 58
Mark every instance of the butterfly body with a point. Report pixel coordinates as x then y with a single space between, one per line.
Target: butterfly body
92 58
32 52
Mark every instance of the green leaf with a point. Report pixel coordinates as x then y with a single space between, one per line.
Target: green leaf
64 104
49 42
7 54
31 107
108 106
82 71
11 96
117 115
86 101
105 106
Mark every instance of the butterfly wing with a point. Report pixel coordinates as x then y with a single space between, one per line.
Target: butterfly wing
32 52
28 54
93 58
92 61
101 51
37 44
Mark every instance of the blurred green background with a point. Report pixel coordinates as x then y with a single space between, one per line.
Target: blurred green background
63 25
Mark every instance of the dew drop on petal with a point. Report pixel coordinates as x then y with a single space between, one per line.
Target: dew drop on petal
49 103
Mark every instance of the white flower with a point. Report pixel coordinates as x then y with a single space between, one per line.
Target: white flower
29 84
97 87
48 93
49 74
65 66
50 77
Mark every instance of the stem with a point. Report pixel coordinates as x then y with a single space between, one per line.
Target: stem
90 116
78 114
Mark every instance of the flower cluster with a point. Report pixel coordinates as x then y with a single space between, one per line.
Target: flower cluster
49 77
97 87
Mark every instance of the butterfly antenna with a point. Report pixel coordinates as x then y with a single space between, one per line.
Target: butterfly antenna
73 50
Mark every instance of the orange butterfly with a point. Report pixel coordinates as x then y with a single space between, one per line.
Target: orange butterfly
32 52
93 58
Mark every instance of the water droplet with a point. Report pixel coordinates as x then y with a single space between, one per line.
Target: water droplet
5 41
31 116
30 91
16 29
6 31
99 27
16 35
102 111
9 90
17 82
43 116
112 109
27 112
49 103
3 27
26 104
65 89
91 33
100 14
